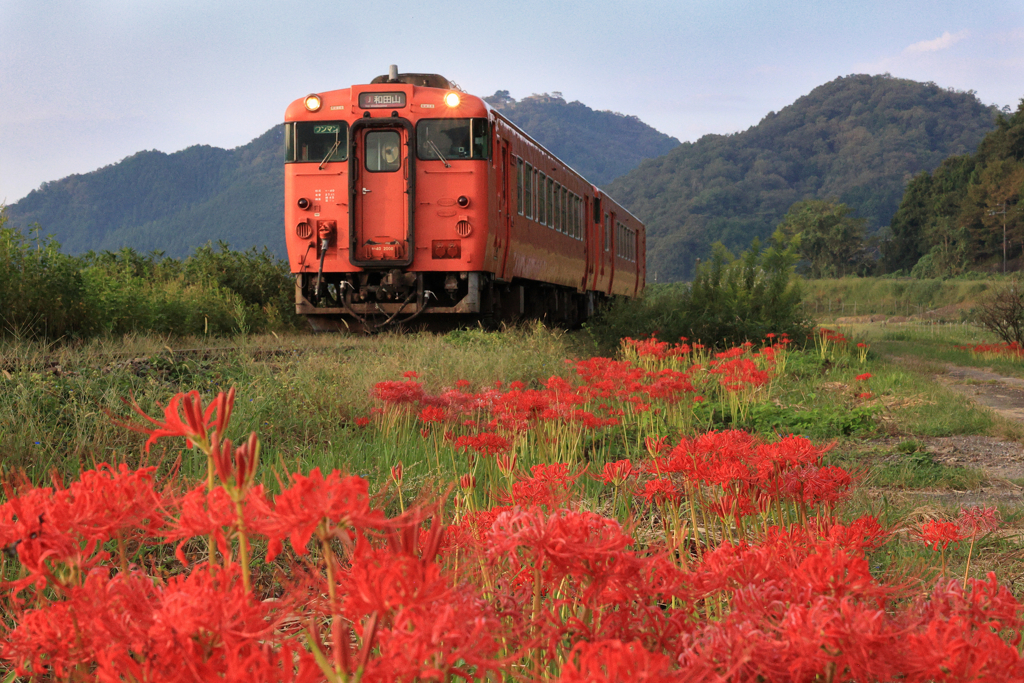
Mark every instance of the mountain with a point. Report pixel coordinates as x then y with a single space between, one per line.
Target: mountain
176 202
600 145
858 139
967 213
168 202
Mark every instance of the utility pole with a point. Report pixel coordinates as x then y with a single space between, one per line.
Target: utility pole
1002 213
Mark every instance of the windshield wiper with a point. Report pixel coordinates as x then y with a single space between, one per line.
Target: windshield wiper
333 149
438 153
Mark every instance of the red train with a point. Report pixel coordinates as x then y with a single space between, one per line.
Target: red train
407 197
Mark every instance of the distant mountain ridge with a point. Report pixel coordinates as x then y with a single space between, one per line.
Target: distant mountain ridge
599 145
167 202
858 138
176 202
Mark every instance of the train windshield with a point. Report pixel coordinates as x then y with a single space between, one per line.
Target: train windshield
448 139
316 141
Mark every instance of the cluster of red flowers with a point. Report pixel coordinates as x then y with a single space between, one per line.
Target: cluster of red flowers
655 388
750 577
1012 349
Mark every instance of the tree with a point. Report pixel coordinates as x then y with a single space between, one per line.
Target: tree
1003 313
825 233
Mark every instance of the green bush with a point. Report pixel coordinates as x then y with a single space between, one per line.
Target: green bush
47 294
730 301
42 293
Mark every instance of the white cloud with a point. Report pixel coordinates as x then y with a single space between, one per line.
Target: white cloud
947 39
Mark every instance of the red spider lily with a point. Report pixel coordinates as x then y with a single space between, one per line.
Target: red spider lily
236 468
399 393
813 485
396 473
313 499
467 482
863 534
613 661
485 443
362 421
105 503
29 531
506 463
433 414
202 512
865 395
185 416
657 446
938 535
1011 349
549 485
659 492
410 374
956 635
864 377
733 506
583 545
616 473
976 520
188 628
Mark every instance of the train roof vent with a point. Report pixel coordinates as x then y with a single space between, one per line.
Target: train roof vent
424 80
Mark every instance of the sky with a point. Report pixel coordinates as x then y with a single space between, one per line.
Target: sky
84 84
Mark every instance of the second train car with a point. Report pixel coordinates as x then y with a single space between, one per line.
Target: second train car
407 197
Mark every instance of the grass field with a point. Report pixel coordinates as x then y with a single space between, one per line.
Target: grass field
520 508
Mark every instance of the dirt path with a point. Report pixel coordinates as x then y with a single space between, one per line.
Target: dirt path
1001 459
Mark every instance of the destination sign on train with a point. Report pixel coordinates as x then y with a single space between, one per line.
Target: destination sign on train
381 100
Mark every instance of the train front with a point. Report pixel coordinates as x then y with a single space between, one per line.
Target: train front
386 207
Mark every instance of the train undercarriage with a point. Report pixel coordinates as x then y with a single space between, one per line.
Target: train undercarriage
374 300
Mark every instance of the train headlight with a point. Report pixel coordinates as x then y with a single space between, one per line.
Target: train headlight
452 99
313 102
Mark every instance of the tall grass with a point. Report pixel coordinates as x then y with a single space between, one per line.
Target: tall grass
47 294
828 299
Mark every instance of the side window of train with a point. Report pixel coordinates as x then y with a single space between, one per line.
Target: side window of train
519 185
560 206
528 198
576 217
565 211
551 201
607 233
542 199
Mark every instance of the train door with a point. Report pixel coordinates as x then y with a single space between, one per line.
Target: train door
594 241
610 246
381 197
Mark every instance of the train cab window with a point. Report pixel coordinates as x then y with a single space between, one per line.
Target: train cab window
519 185
315 141
383 149
452 139
528 191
